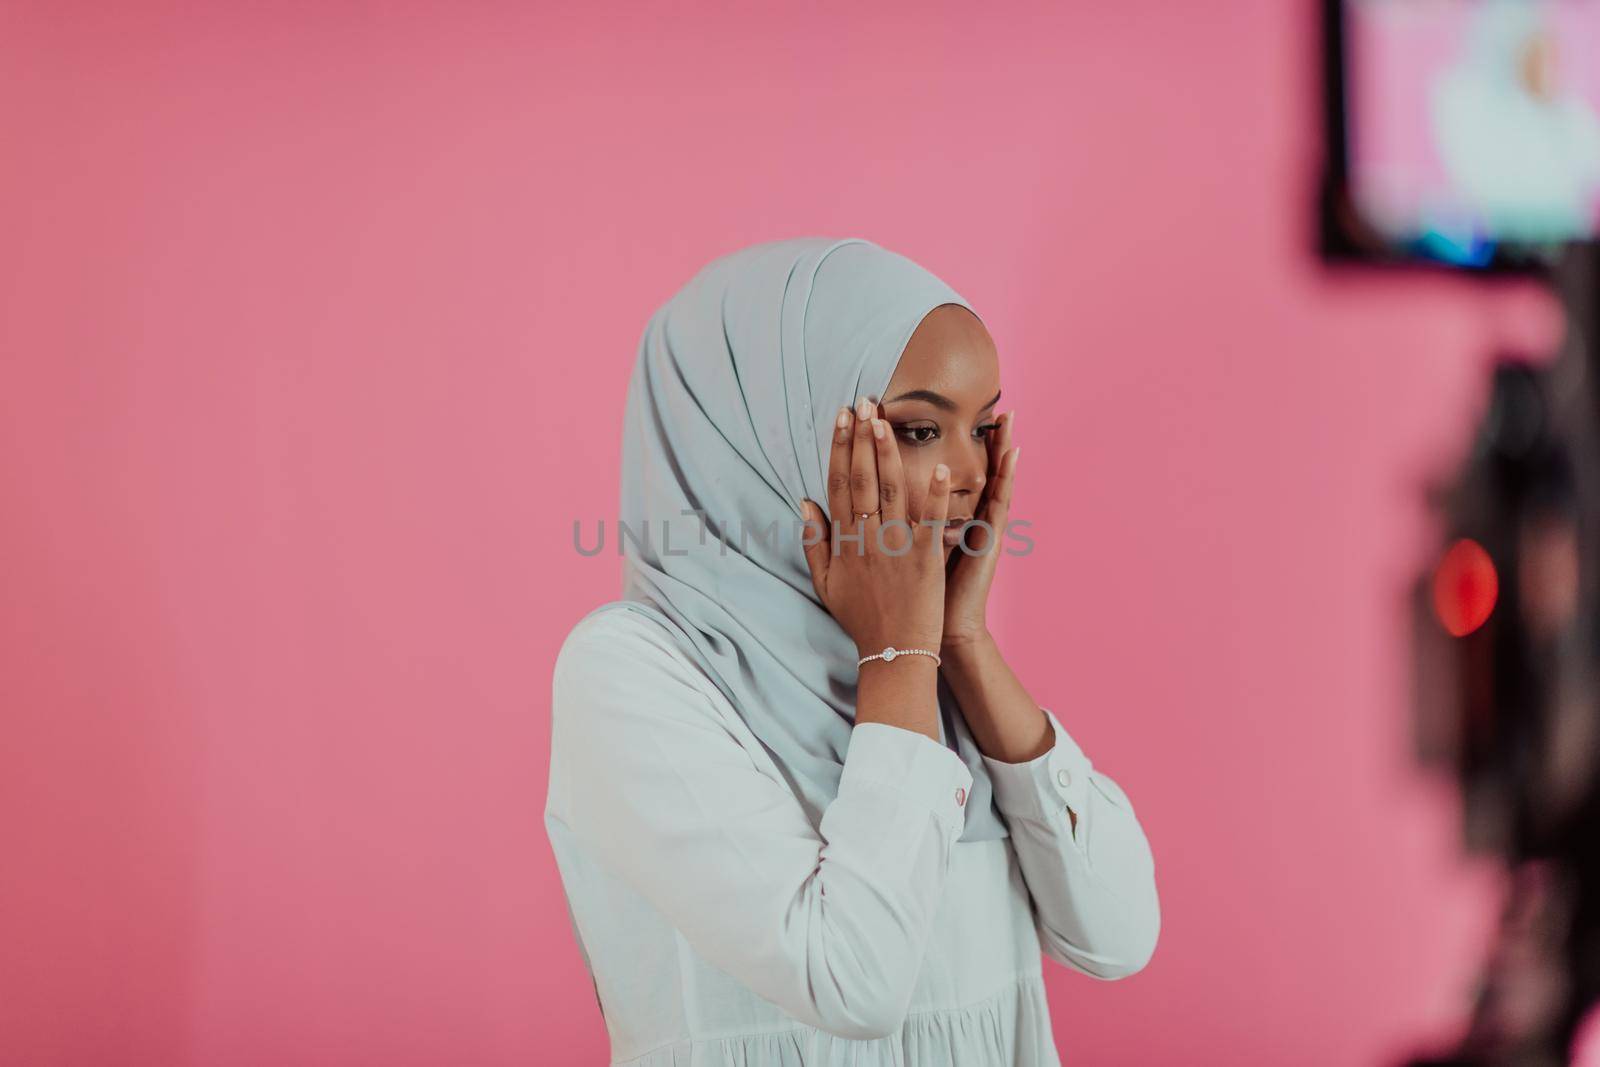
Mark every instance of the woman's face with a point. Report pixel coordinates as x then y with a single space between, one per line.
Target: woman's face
940 404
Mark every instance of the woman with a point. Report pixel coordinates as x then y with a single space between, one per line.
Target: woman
781 842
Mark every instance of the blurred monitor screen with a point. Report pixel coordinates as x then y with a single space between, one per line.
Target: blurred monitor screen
1471 128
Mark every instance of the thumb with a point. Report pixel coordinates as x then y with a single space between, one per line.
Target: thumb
816 554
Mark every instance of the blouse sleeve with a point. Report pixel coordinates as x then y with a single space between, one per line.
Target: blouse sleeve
828 923
1093 886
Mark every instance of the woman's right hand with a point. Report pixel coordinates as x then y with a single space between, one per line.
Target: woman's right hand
888 587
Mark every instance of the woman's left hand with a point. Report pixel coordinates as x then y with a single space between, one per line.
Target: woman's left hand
970 571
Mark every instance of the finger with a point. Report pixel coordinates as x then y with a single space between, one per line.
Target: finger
998 510
816 554
891 475
936 507
839 468
863 466
1008 480
999 443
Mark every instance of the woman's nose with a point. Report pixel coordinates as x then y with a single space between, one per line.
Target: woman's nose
969 472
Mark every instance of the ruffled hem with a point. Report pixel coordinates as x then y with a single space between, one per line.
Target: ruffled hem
1009 1029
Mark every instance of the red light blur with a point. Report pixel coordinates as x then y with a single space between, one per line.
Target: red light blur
1465 587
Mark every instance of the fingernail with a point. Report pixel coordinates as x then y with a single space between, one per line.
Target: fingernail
940 472
844 418
1016 455
1011 420
863 409
878 429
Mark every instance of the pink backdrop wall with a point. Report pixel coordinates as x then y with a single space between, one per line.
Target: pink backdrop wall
314 327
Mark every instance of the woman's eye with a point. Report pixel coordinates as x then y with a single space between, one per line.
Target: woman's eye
987 428
918 435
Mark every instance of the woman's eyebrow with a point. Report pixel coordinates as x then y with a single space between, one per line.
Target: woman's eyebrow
938 400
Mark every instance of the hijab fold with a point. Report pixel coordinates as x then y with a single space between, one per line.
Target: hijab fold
729 417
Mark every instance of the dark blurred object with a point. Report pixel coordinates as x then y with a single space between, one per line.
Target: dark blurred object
1508 699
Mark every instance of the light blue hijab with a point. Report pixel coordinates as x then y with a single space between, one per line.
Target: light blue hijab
729 414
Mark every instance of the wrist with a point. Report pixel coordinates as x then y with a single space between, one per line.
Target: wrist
901 669
903 693
902 640
966 643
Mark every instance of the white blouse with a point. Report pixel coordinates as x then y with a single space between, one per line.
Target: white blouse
722 928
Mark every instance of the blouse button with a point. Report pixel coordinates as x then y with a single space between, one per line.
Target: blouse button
1064 778
961 796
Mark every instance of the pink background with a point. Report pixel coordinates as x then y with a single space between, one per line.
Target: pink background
314 328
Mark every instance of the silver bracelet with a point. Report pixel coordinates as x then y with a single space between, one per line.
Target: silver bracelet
890 654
